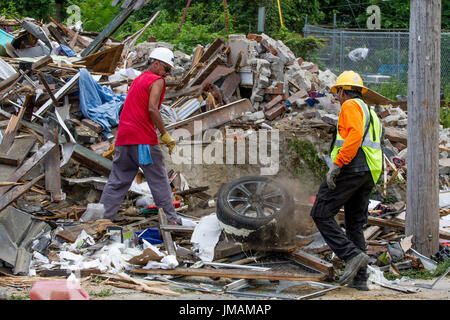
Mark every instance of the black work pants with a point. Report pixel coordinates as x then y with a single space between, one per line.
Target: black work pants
353 192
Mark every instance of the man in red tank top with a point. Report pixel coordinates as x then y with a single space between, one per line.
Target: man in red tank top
137 144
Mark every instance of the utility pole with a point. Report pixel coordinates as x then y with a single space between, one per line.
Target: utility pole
422 207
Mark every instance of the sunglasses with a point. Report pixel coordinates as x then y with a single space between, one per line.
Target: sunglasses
166 67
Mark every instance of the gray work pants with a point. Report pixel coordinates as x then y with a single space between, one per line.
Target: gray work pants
124 170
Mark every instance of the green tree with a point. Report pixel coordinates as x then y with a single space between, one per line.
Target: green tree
37 9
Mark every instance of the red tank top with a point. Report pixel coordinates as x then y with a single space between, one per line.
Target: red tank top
135 123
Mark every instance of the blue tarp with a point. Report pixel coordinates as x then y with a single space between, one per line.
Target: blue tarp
5 38
150 235
99 103
67 51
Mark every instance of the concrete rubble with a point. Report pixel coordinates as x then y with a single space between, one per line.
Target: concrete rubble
54 160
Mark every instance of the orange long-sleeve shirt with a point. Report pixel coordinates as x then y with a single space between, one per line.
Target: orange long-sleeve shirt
351 129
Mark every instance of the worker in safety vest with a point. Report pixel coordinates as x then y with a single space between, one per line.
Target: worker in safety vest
137 144
357 164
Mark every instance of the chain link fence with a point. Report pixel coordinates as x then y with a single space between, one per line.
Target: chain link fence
377 56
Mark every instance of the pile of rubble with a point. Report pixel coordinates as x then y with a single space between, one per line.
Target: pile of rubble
61 92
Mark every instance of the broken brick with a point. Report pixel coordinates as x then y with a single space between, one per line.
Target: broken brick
273 102
275 111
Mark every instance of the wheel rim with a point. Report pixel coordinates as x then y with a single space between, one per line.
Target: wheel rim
255 199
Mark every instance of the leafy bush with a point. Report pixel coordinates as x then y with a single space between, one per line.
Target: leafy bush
305 154
37 9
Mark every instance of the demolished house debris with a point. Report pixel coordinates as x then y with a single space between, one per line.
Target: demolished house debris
61 92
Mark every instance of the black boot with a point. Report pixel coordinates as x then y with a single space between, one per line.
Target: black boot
352 267
360 280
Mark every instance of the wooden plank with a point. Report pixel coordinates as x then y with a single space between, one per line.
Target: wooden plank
52 163
55 33
399 225
29 164
225 249
237 274
206 71
71 33
93 228
18 151
198 52
142 285
167 237
230 85
136 287
10 132
181 229
104 61
217 45
314 262
218 73
16 192
215 117
93 161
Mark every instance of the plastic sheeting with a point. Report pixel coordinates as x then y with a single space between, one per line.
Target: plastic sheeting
5 38
99 103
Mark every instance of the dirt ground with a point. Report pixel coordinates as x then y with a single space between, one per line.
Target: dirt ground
98 291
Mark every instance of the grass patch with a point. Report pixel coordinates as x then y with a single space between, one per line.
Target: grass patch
101 294
421 274
19 297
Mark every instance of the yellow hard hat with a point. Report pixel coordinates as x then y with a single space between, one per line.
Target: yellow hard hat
347 80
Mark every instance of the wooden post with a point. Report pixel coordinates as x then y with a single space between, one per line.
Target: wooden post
422 219
52 162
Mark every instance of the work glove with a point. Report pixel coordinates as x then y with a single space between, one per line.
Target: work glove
168 141
333 172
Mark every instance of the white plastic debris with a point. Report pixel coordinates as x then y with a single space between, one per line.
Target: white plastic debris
373 204
188 222
205 237
82 239
168 262
94 211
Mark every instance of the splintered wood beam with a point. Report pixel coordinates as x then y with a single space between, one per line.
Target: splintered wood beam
313 262
29 164
217 45
397 225
18 151
93 161
10 132
205 72
52 163
55 33
236 274
16 192
214 118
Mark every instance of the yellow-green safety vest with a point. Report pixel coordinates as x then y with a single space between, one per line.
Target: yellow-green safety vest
371 143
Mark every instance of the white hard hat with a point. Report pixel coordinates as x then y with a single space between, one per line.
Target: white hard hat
164 55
